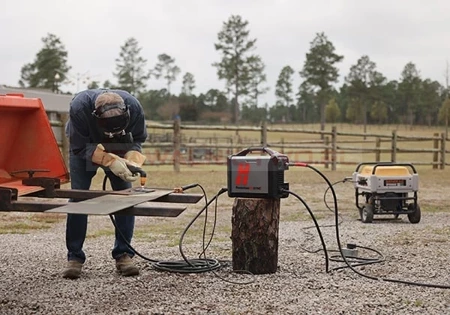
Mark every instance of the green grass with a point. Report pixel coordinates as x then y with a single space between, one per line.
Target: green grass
166 231
24 223
20 228
303 181
418 303
100 233
301 215
445 231
434 209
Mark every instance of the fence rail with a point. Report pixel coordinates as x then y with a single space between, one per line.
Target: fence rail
331 148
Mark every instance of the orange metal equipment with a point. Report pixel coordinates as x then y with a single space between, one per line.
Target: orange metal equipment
31 165
27 144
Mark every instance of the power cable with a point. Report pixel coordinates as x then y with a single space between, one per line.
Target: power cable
180 266
322 241
344 258
189 265
310 236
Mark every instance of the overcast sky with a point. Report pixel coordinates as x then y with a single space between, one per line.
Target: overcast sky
392 33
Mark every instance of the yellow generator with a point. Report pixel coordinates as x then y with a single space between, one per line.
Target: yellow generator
386 188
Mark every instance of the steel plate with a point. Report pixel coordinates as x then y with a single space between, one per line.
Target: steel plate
109 204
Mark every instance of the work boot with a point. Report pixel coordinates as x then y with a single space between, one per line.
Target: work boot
72 270
126 267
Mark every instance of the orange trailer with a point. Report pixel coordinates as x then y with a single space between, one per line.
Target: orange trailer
28 147
32 165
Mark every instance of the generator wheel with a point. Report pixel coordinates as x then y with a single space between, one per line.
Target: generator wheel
367 213
416 215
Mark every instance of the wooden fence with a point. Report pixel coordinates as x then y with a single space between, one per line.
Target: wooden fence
168 144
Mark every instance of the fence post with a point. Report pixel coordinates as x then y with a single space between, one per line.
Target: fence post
327 151
64 138
443 139
264 134
333 147
176 143
238 141
216 151
436 153
394 146
191 155
377 148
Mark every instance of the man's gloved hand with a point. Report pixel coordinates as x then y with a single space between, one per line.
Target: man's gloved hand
120 169
116 164
135 157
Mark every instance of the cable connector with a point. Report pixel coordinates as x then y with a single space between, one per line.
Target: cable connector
346 179
183 188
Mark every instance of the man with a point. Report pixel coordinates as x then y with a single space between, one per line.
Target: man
106 129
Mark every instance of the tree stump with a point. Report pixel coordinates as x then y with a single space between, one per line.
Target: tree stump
254 234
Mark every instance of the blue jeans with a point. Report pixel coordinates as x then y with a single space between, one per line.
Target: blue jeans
81 174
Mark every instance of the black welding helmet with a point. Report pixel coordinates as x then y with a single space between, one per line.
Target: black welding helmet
112 124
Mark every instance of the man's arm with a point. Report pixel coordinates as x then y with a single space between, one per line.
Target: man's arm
138 127
78 130
139 131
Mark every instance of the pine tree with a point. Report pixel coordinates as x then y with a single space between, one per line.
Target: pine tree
130 66
332 111
320 72
362 82
49 68
283 90
305 103
188 84
409 90
166 69
256 78
235 47
444 114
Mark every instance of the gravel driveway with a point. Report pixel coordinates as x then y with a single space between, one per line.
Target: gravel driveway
30 266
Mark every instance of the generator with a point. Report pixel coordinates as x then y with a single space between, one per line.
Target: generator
386 188
257 176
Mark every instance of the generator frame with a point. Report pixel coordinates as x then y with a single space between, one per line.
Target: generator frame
380 198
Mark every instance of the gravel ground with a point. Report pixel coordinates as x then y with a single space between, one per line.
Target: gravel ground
30 267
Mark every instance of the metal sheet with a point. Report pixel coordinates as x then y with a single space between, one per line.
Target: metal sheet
109 204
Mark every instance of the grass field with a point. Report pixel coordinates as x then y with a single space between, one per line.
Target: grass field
303 181
433 183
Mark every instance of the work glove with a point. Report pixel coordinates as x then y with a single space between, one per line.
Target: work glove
135 157
120 169
116 164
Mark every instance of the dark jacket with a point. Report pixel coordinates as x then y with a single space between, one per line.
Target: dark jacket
82 129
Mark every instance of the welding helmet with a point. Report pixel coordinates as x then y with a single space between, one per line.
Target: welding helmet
112 124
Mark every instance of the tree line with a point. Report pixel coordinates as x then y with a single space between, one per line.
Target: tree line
365 97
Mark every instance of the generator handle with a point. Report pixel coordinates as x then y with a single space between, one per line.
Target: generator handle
376 164
252 149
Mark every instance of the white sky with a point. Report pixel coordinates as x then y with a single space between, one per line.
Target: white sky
392 33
